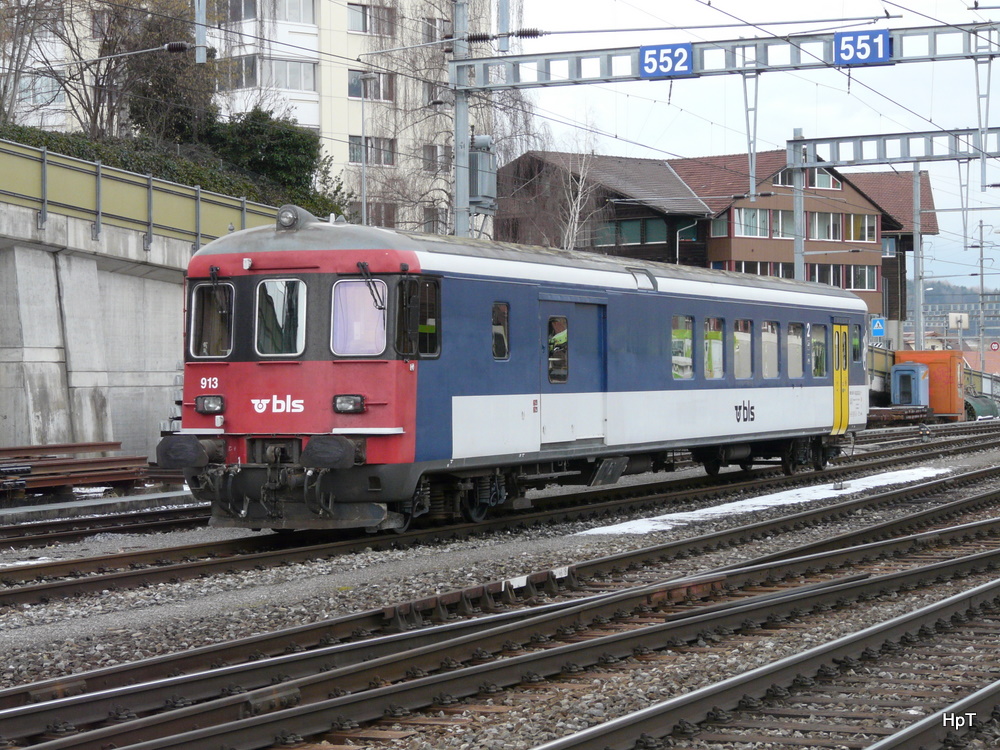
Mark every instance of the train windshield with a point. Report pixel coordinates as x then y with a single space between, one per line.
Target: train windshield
281 317
212 320
358 324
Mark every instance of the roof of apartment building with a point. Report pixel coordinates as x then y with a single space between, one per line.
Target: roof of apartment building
651 182
708 185
893 191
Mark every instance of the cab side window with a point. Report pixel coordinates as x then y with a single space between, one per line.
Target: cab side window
418 326
501 330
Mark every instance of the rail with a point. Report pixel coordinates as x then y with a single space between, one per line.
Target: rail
35 467
56 184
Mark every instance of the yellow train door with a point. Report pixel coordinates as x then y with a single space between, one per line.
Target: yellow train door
841 387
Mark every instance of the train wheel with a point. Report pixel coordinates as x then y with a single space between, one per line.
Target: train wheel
712 466
746 465
472 509
789 462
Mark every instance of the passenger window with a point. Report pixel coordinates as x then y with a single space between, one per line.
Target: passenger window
795 339
212 320
681 349
769 343
743 349
558 333
357 325
712 348
281 317
501 330
856 343
418 322
817 339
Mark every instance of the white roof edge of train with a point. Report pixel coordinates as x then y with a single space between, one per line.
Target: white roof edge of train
598 271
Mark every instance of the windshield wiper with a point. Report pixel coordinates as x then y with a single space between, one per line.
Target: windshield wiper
377 296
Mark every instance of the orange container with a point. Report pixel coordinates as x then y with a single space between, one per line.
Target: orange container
947 396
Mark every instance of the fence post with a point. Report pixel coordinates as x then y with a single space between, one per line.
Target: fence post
147 240
95 229
43 214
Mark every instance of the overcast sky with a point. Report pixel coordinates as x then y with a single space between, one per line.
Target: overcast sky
706 116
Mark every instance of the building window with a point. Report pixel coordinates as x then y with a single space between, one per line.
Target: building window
784 270
654 230
435 29
820 178
371 19
40 91
381 151
815 178
242 10
436 158
238 73
823 273
824 226
784 224
720 226
862 227
630 232
434 220
861 278
295 11
382 215
750 222
292 75
888 247
377 87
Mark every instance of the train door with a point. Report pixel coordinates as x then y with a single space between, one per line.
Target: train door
573 392
841 379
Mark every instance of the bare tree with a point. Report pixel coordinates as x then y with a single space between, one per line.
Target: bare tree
90 64
25 27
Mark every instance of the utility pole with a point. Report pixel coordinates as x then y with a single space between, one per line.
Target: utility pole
462 133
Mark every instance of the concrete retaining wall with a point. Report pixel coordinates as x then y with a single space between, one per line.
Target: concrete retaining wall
90 331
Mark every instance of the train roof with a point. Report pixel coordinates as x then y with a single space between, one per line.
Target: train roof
441 252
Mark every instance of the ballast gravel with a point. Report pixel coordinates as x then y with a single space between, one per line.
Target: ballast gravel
72 636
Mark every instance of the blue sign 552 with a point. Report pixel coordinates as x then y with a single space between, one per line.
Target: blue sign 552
861 47
665 60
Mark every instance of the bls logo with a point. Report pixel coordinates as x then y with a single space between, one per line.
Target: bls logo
278 404
744 412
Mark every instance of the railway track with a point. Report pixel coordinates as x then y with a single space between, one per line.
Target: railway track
612 613
48 580
951 437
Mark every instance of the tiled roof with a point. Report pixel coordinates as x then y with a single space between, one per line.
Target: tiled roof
893 192
716 179
648 181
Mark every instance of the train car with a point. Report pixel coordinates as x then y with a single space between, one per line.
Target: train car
340 376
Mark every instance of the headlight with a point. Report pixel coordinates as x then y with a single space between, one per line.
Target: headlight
209 404
348 404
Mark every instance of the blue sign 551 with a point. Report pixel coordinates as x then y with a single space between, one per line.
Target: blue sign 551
861 47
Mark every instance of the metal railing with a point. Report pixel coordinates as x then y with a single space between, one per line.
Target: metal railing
56 184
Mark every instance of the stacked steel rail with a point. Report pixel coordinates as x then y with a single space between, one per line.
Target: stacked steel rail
46 467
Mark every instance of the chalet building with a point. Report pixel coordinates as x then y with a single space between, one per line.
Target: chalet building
701 212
